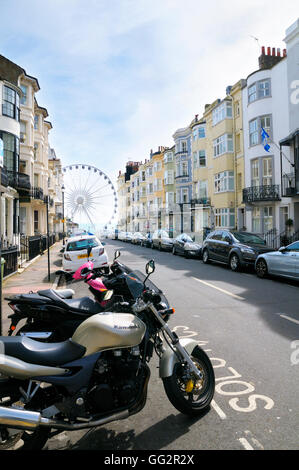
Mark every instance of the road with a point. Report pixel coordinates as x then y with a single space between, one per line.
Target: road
250 329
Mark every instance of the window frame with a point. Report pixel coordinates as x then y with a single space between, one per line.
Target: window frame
257 93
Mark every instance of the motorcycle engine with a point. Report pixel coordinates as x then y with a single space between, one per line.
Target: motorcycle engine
117 380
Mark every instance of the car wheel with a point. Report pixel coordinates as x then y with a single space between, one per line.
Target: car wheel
234 262
205 256
261 268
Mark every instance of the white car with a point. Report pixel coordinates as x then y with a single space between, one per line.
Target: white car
75 253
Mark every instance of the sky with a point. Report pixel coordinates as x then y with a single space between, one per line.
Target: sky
119 77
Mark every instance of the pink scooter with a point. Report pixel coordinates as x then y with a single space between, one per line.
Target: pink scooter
96 285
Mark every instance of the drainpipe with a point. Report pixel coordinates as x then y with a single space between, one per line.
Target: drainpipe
235 159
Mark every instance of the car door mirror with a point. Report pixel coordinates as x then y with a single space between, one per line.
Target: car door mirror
282 249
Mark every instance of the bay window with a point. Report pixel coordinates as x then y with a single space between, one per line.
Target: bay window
10 103
225 218
223 144
259 90
223 111
224 181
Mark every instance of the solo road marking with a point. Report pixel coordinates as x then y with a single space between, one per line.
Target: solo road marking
219 288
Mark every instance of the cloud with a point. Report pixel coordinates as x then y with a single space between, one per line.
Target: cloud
119 77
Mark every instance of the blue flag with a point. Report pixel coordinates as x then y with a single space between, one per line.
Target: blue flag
265 137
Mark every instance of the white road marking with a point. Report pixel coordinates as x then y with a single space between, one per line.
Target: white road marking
218 410
245 443
290 319
219 288
254 440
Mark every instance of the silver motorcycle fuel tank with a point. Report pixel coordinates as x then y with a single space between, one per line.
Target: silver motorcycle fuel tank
109 331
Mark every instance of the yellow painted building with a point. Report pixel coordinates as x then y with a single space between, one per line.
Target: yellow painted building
225 159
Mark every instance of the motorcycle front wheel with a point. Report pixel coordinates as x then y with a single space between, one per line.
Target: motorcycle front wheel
190 396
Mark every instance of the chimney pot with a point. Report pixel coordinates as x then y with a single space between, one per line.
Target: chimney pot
268 50
278 52
273 52
284 53
263 50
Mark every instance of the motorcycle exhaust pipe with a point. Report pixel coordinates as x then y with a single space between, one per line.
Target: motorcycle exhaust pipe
24 419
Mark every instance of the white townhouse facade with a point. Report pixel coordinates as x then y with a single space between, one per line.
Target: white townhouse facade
290 141
265 106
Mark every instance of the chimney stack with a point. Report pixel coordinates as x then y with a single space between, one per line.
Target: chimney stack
267 61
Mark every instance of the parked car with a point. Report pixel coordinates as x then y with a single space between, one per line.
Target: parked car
148 241
121 236
75 253
237 249
284 262
162 241
184 245
137 238
128 237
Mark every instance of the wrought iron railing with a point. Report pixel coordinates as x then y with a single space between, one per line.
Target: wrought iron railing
37 193
201 200
10 256
289 185
269 192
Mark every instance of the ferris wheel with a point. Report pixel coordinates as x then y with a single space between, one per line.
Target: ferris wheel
90 197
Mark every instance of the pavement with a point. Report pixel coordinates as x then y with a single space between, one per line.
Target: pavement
32 278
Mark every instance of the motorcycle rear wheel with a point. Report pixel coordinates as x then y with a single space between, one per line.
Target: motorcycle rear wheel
196 401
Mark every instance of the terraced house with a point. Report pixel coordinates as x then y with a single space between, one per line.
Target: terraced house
220 173
26 176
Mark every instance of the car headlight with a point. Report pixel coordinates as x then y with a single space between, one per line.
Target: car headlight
248 250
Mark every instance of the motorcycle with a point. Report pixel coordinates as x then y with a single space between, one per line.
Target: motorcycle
98 376
53 315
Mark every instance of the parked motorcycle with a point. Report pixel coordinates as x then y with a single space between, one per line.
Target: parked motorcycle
98 376
53 315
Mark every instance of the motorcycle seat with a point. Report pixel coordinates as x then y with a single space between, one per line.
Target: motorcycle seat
64 293
83 304
44 354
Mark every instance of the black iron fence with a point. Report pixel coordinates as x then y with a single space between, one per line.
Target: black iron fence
30 247
10 256
275 240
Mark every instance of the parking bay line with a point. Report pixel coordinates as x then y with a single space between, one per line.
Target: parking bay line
218 410
289 318
219 288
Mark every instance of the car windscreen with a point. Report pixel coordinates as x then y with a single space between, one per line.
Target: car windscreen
82 244
186 238
249 238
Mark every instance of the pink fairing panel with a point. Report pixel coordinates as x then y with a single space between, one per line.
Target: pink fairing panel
97 284
77 275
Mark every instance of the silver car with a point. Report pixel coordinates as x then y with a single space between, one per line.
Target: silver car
284 262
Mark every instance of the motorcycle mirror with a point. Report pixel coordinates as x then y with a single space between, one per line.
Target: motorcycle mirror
116 254
150 267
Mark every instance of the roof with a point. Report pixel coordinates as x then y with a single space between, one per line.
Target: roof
287 140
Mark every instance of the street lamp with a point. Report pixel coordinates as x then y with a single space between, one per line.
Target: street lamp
62 190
